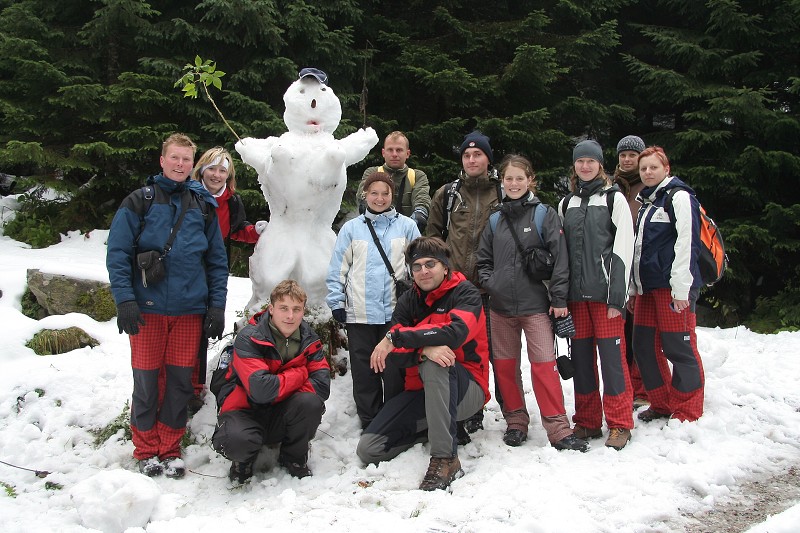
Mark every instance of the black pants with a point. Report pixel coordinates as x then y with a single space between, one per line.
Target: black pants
239 435
370 390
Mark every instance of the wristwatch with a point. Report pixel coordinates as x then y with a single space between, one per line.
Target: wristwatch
389 336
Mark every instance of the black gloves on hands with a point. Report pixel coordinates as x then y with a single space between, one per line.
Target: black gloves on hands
129 318
215 323
420 216
340 315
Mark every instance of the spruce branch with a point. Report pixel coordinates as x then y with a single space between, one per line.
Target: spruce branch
203 73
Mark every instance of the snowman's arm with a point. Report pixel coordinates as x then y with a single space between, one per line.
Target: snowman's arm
357 145
256 152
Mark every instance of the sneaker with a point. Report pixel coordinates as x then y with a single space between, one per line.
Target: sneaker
441 472
474 423
195 403
240 472
571 442
587 433
648 415
640 402
462 436
174 467
295 468
151 467
514 437
618 438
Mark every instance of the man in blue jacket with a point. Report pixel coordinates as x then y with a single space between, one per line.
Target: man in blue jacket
164 319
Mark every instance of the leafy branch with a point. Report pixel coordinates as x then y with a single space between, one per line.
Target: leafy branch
203 73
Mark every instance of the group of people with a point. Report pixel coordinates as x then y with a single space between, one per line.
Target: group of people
426 316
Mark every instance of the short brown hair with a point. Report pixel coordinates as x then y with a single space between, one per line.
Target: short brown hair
396 136
433 247
178 139
290 288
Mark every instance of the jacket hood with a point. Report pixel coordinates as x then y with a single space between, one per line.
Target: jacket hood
456 277
648 194
170 187
588 188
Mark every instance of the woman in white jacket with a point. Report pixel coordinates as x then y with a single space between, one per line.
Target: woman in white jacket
361 290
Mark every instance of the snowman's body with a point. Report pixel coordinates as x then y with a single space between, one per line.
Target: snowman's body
303 177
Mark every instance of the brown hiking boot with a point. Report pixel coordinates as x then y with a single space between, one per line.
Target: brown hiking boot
587 433
618 438
648 415
441 472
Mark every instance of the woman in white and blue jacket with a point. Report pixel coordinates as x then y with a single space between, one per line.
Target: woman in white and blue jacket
666 284
361 291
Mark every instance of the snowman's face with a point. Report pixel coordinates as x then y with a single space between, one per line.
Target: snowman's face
311 107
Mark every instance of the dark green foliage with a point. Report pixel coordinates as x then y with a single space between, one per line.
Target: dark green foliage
121 423
86 94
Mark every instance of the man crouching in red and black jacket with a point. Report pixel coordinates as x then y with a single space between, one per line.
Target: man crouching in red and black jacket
438 335
276 387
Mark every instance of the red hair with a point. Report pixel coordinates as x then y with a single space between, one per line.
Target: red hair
656 151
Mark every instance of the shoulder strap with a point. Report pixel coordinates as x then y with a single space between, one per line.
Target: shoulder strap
448 198
538 219
565 203
493 218
412 177
148 193
515 236
380 249
610 201
174 232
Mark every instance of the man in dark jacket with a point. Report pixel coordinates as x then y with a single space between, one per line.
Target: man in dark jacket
276 387
438 335
165 319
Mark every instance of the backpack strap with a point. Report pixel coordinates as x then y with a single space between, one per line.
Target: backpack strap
564 204
538 220
448 200
148 193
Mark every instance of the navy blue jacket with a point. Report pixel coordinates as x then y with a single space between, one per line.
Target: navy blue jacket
197 266
668 242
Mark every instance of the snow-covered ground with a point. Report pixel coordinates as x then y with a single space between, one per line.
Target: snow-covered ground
50 405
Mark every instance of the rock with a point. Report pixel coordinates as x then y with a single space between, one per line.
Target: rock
60 295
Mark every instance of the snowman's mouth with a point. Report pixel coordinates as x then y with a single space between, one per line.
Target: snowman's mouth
313 123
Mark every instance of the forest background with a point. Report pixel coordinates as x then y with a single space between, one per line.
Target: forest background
87 95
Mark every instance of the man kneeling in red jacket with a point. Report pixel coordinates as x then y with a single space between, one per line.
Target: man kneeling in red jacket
276 387
438 335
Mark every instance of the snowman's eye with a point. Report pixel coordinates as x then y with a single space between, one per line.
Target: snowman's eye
322 88
302 91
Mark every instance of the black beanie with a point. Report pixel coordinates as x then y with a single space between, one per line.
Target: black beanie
476 139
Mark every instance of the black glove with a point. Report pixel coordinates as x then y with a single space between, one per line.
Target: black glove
340 315
420 216
129 318
215 323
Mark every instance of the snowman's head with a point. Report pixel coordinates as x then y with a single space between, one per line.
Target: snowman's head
311 106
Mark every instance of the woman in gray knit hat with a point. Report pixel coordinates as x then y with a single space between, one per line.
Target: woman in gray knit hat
599 233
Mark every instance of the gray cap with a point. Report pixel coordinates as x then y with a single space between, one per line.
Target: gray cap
631 142
588 148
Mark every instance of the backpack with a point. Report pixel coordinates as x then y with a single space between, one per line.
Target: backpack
449 199
713 261
148 193
537 218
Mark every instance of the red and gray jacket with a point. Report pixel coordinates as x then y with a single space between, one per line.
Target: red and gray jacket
450 315
257 376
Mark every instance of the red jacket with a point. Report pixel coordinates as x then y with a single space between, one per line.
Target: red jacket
257 376
451 315
238 229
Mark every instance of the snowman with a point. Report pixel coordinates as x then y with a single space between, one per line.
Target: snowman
303 177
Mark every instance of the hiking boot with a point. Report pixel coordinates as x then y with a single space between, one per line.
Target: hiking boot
462 437
640 402
618 438
174 467
648 415
474 423
195 403
441 472
571 442
151 467
514 437
295 468
240 472
587 433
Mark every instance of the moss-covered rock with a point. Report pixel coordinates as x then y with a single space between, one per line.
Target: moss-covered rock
53 341
59 295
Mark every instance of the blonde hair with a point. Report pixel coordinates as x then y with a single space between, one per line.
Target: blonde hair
209 157
573 180
396 135
178 139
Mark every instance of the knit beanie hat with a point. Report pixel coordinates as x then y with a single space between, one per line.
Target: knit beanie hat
379 176
588 148
476 139
631 142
